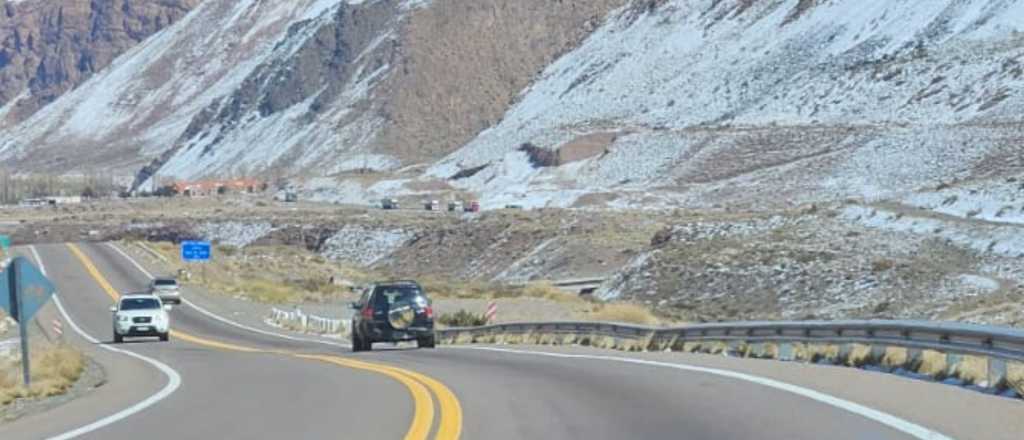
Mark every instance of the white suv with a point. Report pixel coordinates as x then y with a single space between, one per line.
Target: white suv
141 315
166 289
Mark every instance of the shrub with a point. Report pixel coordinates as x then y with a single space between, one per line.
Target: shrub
882 265
227 250
462 318
625 313
548 291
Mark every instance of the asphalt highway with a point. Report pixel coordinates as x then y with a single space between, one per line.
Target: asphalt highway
239 384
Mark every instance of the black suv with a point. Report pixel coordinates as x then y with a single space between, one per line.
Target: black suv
392 312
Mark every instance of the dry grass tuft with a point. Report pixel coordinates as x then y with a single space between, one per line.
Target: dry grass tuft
859 356
690 347
933 364
817 353
1015 376
895 357
548 291
605 342
54 371
570 339
973 370
625 313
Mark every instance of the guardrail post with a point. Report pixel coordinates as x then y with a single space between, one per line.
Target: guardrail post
735 348
996 373
914 358
845 350
786 352
953 361
877 352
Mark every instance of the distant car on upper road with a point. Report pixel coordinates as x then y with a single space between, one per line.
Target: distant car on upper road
389 204
393 312
141 315
167 289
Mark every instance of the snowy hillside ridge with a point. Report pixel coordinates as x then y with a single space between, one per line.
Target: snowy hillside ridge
1001 202
689 86
364 246
148 96
217 83
1006 241
235 234
301 108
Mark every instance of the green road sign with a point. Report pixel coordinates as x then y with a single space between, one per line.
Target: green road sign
32 290
23 291
5 243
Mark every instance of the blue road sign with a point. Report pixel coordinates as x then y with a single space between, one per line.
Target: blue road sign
32 287
195 251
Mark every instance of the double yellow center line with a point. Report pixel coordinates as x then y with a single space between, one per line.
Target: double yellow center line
423 389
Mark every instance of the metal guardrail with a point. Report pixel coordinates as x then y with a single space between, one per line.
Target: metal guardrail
954 338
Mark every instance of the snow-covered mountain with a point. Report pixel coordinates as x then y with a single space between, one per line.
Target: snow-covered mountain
604 102
50 47
303 87
720 102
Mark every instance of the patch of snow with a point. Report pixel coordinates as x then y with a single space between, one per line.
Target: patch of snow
364 246
1007 241
236 234
979 282
993 202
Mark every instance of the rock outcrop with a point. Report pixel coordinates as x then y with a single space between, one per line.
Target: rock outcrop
49 47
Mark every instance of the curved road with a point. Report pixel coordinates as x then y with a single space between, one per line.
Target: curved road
238 384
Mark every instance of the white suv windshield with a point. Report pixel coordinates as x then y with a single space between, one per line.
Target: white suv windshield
140 304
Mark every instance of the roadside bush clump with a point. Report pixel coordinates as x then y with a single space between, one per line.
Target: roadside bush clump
55 371
462 318
625 313
548 291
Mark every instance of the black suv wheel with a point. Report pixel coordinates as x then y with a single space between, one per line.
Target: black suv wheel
360 344
427 342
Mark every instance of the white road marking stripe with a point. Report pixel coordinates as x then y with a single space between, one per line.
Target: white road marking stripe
914 430
173 378
217 317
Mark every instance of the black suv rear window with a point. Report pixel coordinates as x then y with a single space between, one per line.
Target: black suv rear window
385 296
165 282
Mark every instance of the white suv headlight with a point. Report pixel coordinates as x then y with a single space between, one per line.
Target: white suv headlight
123 318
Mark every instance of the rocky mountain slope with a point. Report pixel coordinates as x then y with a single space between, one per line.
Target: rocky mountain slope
308 87
574 103
50 47
767 102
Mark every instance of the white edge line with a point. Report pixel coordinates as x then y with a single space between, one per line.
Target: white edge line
173 378
224 320
910 428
